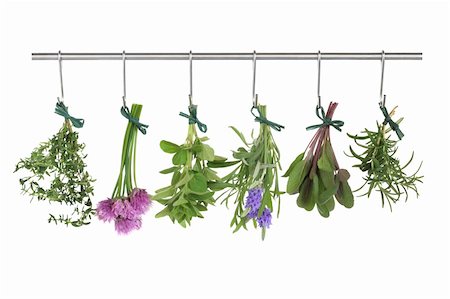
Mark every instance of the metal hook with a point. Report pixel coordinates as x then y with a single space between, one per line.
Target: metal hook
319 59
124 97
190 78
254 95
60 77
382 96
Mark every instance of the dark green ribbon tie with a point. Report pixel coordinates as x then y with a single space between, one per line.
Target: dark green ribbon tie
192 117
337 124
135 121
388 120
263 120
63 110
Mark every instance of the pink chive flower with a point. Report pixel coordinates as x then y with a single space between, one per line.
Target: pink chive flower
104 210
124 225
140 201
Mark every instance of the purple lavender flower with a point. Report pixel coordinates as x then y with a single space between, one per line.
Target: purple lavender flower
125 225
140 201
265 220
254 198
104 210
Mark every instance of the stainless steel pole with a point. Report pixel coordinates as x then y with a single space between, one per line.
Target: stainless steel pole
229 56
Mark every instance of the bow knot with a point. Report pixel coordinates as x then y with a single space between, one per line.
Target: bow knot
263 120
388 120
135 121
337 124
192 117
63 110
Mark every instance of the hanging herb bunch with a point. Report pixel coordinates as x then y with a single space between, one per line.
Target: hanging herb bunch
384 172
128 203
193 182
315 174
57 172
256 176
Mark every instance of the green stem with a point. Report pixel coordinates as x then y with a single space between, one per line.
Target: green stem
127 175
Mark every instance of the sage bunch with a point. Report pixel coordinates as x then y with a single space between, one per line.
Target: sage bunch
315 174
57 173
377 159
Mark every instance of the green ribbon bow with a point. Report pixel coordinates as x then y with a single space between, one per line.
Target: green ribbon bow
63 110
135 121
263 120
337 124
192 116
388 120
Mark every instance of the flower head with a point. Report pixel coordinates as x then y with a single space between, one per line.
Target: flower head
254 201
124 225
140 201
265 220
104 210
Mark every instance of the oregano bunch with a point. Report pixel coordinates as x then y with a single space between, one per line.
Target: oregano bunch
315 174
193 182
256 174
128 203
384 171
57 173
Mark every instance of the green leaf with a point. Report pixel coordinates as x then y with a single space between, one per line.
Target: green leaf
296 177
344 195
323 211
217 186
315 189
294 164
198 183
211 175
164 193
324 163
327 178
207 153
221 164
327 194
185 177
304 199
180 157
180 201
163 212
169 147
169 170
241 136
343 175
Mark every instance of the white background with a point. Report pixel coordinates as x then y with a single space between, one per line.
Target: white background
365 252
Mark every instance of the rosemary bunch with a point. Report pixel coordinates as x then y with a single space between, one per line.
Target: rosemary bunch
315 174
57 173
258 163
384 172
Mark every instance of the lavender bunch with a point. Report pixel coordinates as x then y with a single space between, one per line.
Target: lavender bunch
256 175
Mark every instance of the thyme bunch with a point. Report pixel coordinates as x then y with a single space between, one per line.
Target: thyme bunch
384 172
57 174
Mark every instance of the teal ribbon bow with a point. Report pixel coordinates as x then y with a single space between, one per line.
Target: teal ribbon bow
135 121
263 120
63 110
337 124
192 116
388 120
